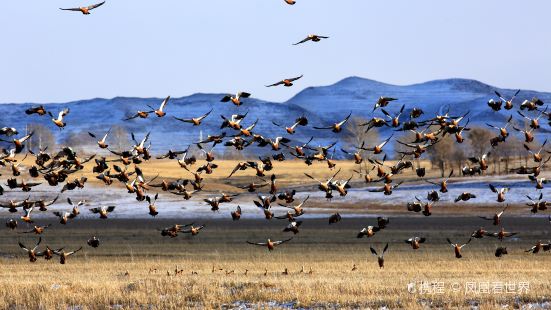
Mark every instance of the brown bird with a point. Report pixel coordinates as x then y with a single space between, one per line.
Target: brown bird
12 205
443 184
40 110
36 229
537 156
457 247
152 208
64 255
311 37
271 245
84 9
482 161
75 211
380 258
479 233
195 121
496 218
508 103
538 247
43 205
59 120
298 209
383 102
500 193
301 121
101 143
501 234
502 130
27 216
194 231
532 104
49 253
285 82
368 231
357 155
160 111
378 149
337 127
236 99
325 186
528 134
537 205
236 215
173 230
252 187
32 252
386 189
140 114
18 143
290 2
415 242
103 211
464 197
534 122
63 217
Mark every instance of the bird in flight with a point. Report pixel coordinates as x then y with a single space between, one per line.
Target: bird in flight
286 82
311 37
84 9
270 244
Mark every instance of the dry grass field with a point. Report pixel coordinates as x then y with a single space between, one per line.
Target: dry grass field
135 267
289 172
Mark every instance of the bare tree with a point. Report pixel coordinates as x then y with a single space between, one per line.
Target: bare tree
43 137
446 151
79 141
119 138
356 134
479 140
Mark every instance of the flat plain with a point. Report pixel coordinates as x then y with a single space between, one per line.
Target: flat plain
135 267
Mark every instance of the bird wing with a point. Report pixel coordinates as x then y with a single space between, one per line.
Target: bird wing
93 6
70 9
303 41
257 243
296 78
275 84
282 241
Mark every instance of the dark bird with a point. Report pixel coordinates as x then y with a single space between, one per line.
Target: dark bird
84 9
196 121
285 82
311 37
93 242
380 258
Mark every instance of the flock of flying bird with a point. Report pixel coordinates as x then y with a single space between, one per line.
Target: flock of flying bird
58 168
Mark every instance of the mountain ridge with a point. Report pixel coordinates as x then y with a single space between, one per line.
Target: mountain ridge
322 105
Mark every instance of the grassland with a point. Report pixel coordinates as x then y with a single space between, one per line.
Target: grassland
135 267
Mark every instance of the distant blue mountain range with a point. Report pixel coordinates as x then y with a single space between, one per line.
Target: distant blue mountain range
321 105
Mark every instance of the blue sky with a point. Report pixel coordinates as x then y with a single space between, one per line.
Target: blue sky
156 48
